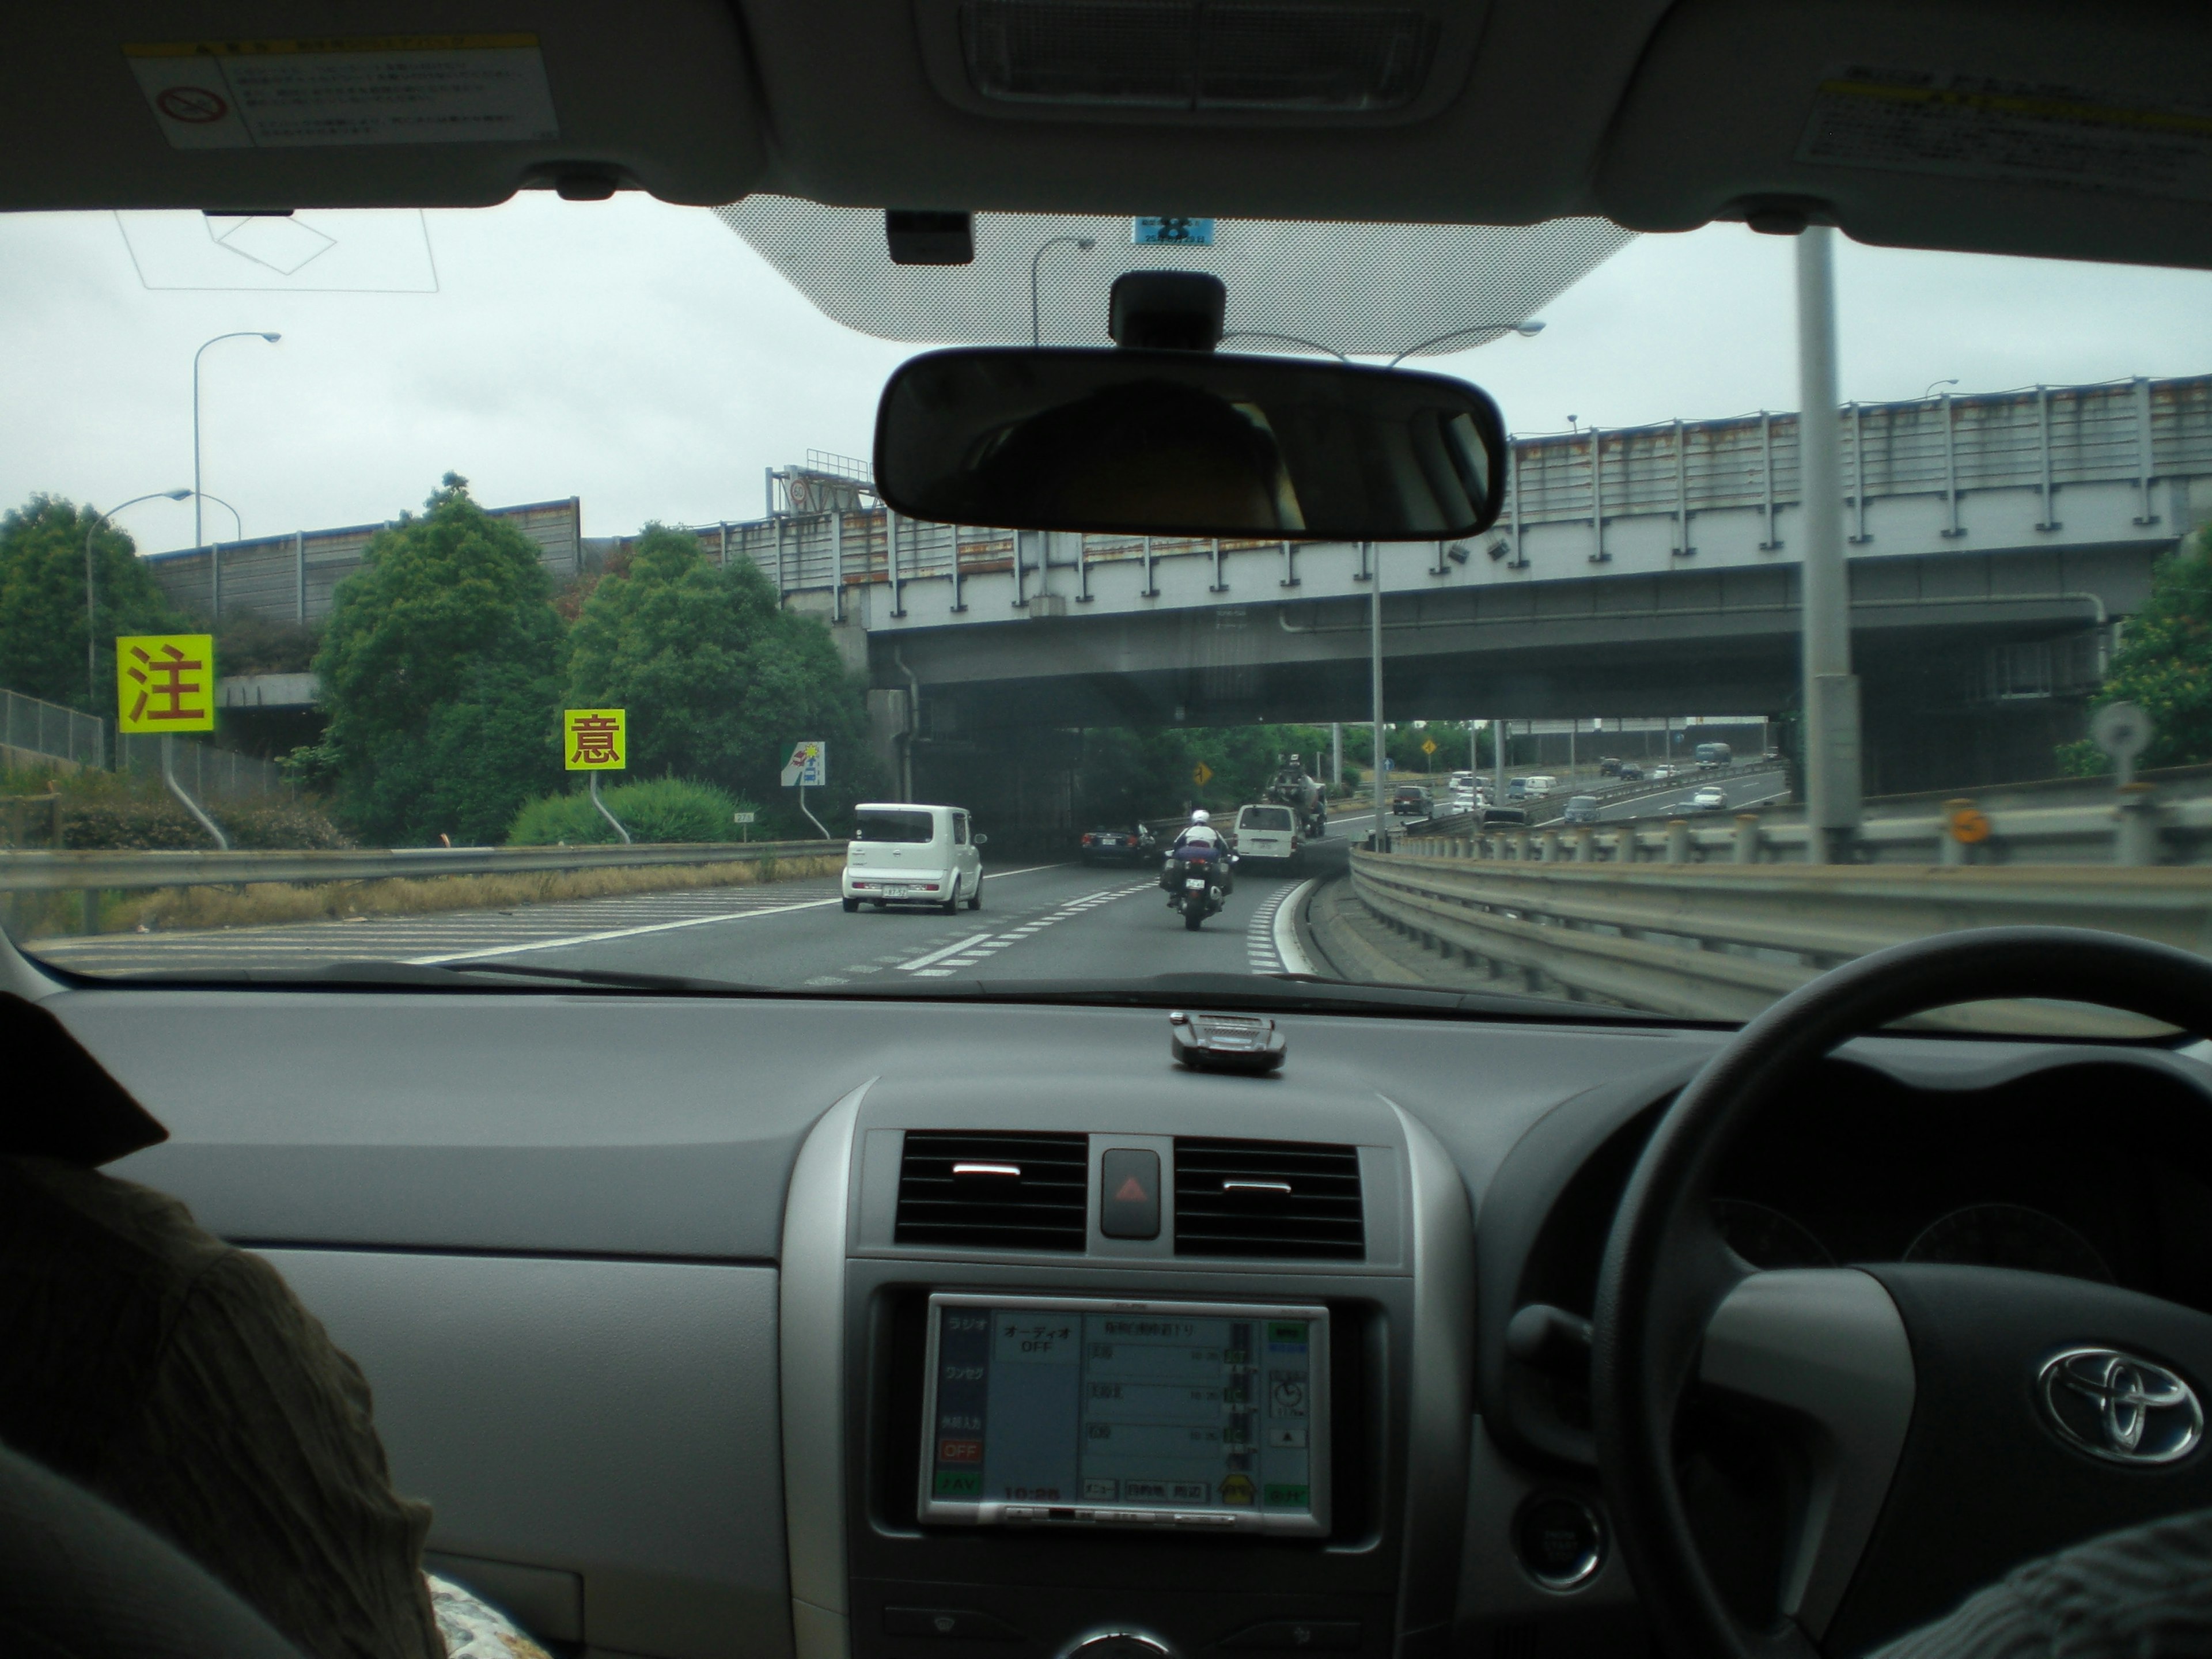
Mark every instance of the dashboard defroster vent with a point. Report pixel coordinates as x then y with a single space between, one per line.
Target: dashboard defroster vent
976 1190
1279 1198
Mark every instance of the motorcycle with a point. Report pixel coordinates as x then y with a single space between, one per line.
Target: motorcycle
1198 885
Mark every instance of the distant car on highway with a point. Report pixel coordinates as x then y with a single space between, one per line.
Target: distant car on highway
1118 843
1712 755
1410 801
1462 801
1265 834
1711 799
1581 809
1659 774
1608 767
1505 816
1630 772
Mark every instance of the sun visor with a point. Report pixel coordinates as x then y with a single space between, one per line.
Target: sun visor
2021 127
190 105
1366 288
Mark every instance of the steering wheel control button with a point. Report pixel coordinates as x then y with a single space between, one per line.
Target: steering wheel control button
1224 1042
1295 1635
948 1623
2120 1408
1129 1193
1561 1541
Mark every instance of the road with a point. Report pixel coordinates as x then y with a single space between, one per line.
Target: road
1060 920
1744 789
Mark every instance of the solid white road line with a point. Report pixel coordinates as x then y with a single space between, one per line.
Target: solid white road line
612 932
1295 959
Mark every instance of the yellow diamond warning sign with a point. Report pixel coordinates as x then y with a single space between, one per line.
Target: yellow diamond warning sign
1202 775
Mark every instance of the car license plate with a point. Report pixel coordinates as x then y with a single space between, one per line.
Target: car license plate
1194 882
898 892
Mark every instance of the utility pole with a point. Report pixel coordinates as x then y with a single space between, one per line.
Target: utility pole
1374 648
1336 756
1833 808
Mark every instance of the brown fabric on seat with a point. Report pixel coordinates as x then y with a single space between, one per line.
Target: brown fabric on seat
180 1379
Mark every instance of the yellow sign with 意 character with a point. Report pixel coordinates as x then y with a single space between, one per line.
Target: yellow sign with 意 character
165 683
595 739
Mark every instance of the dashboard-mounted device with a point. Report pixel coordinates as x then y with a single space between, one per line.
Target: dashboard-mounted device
1079 1412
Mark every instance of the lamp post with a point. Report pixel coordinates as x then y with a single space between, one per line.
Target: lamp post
1081 244
237 334
215 553
1932 385
92 591
1528 328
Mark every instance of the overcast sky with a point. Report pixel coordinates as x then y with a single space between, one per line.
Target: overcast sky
641 357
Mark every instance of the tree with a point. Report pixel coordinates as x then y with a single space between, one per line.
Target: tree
719 680
2165 666
442 674
42 620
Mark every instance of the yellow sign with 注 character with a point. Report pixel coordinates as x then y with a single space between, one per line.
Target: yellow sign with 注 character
165 683
595 739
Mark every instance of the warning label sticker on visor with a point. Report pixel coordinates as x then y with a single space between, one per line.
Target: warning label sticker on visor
1971 126
368 89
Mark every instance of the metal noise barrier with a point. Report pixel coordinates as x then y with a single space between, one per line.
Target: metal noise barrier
1721 941
39 871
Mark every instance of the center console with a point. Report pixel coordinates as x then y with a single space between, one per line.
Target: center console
1121 1390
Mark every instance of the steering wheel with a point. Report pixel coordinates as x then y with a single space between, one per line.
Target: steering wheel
1949 1422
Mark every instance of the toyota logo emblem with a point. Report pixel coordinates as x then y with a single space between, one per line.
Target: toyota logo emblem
2116 1407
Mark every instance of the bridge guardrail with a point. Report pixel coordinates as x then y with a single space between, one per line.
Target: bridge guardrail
42 872
1721 941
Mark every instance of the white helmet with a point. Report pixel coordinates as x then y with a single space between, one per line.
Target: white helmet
1200 815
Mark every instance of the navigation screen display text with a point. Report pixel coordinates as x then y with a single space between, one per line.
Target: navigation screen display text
1112 1409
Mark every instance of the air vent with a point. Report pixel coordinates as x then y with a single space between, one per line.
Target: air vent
1268 1198
977 1190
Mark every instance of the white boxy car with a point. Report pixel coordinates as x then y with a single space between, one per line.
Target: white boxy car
1267 833
903 854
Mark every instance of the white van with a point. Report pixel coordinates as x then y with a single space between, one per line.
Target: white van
1270 833
903 853
1539 785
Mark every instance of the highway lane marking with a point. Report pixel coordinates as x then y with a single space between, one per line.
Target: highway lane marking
939 956
1287 948
615 932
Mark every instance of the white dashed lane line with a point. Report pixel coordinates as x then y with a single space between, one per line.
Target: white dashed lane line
1260 935
972 952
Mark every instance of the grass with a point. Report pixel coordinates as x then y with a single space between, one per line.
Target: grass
261 904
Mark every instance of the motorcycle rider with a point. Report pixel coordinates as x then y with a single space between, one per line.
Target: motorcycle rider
1200 837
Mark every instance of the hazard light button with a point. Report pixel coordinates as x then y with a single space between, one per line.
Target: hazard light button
1129 1194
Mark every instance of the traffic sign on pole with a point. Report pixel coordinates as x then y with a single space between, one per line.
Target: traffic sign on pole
808 767
1428 746
165 683
595 739
1202 775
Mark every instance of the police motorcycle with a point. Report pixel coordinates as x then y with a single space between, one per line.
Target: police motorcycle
1198 874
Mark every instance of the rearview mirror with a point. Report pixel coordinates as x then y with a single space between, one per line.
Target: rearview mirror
1188 443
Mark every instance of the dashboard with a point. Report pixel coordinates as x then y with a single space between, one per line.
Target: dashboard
865 1330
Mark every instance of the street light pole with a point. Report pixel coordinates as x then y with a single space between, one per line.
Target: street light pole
1832 781
92 591
238 334
1082 244
1375 639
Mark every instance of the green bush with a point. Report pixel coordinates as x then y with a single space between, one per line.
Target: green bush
657 810
147 818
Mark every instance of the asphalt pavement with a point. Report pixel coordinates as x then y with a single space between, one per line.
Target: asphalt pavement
1744 789
1052 921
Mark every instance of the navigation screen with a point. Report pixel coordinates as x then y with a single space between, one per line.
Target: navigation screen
1127 1413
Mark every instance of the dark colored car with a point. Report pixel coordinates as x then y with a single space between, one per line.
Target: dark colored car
1117 844
1411 801
1581 809
1608 767
1630 772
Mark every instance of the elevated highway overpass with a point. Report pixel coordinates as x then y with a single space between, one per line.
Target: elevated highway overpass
1995 542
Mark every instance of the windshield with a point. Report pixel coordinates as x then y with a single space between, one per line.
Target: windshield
511 586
